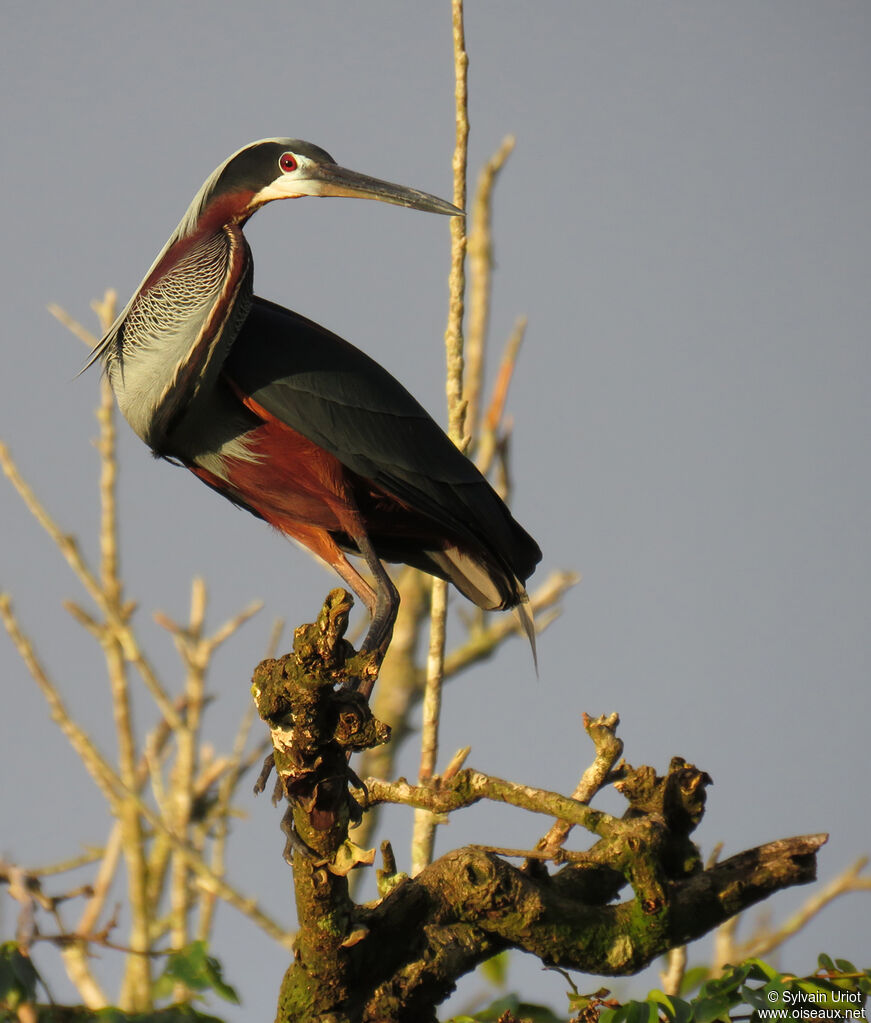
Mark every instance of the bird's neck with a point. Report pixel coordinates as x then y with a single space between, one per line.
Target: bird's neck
169 347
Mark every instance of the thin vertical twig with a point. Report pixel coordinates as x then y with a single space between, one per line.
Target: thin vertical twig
136 992
676 966
102 772
206 900
457 278
76 955
184 771
480 249
399 688
492 430
425 822
109 570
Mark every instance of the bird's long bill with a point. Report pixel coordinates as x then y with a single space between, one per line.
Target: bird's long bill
330 179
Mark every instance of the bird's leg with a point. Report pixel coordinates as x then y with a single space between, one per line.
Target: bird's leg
294 842
382 602
265 771
386 601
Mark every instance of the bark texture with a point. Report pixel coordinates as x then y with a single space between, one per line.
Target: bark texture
397 959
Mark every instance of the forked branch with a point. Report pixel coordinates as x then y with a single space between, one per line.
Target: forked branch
397 959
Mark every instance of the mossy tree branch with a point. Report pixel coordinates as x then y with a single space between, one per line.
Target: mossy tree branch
397 959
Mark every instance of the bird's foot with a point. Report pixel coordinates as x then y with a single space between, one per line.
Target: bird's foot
294 843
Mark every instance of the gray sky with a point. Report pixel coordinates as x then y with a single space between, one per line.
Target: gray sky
686 224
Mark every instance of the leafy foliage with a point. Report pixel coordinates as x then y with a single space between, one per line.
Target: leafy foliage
510 1008
192 967
752 989
495 969
18 978
197 971
173 1014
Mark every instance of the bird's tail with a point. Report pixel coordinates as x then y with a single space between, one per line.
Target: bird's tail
527 623
489 590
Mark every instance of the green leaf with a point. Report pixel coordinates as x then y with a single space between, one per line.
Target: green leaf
755 997
172 1014
678 1010
522 1010
758 969
728 984
495 969
773 993
663 1000
693 978
18 976
683 1011
817 985
825 962
495 1009
197 971
617 1015
537 1013
845 966
708 1009
642 1012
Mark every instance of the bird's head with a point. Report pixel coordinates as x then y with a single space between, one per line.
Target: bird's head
289 169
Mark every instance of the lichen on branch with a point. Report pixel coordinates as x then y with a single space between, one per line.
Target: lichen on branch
397 958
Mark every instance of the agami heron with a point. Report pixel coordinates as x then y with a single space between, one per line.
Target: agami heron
291 422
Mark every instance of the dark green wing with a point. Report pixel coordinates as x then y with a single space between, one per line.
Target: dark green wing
334 394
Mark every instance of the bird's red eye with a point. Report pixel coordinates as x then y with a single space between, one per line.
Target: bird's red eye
287 162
